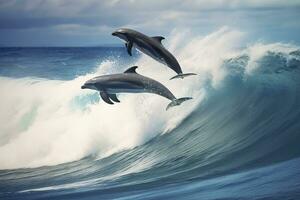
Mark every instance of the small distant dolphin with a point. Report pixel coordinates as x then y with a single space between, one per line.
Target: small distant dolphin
151 46
129 82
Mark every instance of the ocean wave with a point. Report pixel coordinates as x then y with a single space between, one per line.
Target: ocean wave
240 98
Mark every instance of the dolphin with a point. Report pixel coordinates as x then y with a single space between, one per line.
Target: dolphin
151 46
129 82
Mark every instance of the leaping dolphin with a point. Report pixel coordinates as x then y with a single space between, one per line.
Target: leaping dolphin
151 46
129 82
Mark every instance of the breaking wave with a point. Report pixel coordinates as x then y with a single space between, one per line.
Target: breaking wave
244 115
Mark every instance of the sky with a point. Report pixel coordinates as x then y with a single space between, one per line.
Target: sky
91 22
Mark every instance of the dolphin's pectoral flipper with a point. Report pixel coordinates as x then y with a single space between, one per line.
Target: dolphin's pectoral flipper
131 69
158 38
182 75
177 102
129 47
114 98
105 97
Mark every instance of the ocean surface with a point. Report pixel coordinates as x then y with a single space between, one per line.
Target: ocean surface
239 138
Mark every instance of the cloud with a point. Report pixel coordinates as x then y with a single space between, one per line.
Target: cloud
94 17
75 29
126 8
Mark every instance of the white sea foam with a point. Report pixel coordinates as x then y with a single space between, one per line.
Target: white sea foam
258 50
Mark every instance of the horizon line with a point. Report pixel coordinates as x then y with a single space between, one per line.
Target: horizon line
57 46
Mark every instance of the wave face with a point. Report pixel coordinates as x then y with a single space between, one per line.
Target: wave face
238 138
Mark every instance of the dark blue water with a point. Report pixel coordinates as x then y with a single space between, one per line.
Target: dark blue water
240 142
56 63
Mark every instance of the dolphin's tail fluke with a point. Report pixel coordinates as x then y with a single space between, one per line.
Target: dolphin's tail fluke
177 102
182 75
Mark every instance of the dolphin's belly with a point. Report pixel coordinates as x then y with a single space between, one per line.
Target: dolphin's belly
158 54
149 50
125 90
160 92
155 57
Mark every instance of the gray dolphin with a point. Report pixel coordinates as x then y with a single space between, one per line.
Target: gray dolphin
151 46
129 82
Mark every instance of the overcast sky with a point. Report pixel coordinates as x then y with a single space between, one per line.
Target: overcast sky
90 22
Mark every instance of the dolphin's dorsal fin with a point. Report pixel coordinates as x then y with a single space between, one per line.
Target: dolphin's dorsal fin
158 38
131 70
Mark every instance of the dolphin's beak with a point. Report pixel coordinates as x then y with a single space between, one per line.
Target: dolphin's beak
83 87
114 33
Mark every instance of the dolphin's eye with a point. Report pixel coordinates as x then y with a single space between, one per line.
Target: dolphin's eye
121 31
